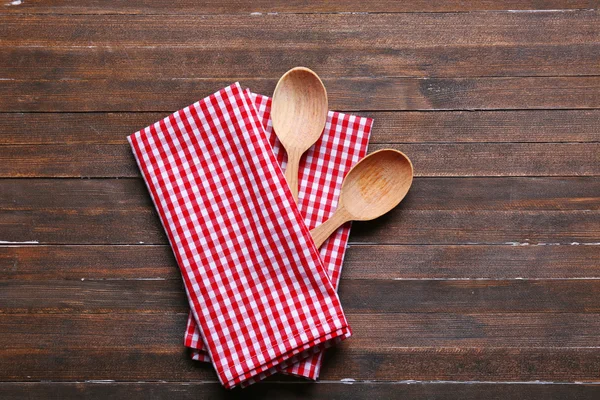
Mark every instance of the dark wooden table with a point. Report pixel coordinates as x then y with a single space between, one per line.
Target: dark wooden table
484 283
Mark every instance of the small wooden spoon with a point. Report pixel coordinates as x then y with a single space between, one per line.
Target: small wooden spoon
374 186
299 111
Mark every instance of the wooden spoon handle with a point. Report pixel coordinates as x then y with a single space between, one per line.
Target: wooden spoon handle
291 172
322 232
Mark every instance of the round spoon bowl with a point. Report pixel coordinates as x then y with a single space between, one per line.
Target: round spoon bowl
299 109
376 184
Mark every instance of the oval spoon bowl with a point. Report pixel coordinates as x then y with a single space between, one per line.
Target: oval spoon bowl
377 184
298 112
374 186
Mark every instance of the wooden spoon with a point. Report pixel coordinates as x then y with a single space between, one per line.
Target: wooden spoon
374 186
299 111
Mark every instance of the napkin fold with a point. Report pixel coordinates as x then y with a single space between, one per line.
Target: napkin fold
322 170
256 285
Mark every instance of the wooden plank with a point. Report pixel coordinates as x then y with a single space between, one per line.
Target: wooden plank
485 126
517 194
341 57
38 262
401 226
374 331
278 31
68 161
431 194
32 262
370 332
471 364
120 212
429 160
471 262
351 94
501 159
164 364
366 296
357 296
148 347
300 390
188 7
484 227
390 127
93 296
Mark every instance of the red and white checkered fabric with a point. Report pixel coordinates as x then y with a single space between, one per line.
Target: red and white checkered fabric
255 282
343 143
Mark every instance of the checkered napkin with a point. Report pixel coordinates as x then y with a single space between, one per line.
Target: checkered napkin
343 143
255 282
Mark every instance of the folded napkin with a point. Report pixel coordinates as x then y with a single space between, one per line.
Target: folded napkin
343 143
255 282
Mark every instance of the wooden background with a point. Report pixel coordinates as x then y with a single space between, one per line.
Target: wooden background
485 282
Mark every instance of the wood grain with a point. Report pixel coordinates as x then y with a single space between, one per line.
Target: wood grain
399 227
429 159
519 261
483 227
447 364
405 262
299 390
371 332
501 159
38 263
95 347
120 212
531 126
431 194
316 31
187 7
350 94
486 126
128 48
483 283
358 296
526 58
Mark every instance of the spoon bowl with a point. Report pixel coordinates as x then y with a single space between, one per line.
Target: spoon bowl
374 186
298 112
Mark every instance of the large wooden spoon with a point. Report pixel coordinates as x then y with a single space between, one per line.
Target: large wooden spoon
374 186
298 112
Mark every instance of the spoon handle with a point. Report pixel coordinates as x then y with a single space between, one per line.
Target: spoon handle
291 172
322 232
